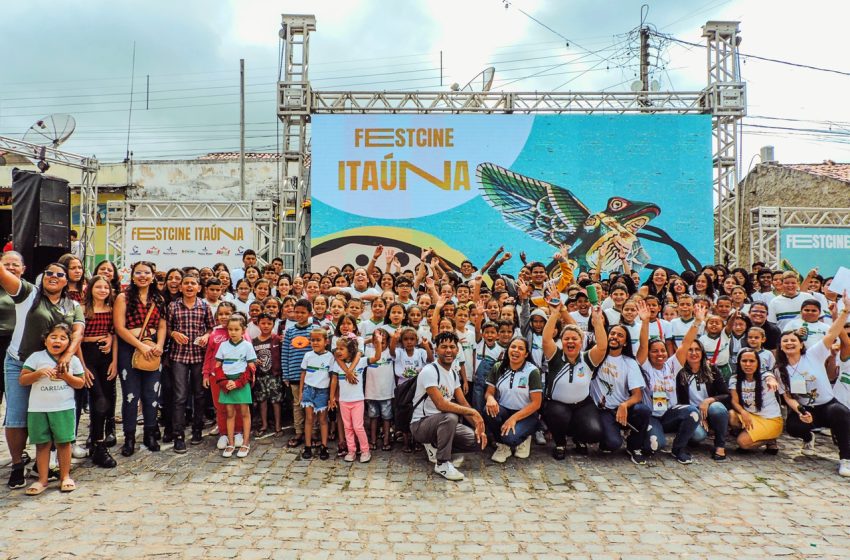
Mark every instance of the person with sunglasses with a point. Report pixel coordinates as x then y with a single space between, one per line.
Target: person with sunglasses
37 309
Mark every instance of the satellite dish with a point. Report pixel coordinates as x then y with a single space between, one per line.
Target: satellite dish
51 131
483 81
654 85
637 85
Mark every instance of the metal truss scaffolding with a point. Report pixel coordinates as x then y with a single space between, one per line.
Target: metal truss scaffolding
294 112
726 95
767 222
88 186
724 98
260 212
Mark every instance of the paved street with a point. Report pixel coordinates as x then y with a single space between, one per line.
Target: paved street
275 505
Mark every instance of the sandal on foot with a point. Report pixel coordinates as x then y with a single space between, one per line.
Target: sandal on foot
68 485
243 451
35 489
771 450
278 433
261 433
341 451
297 441
717 456
373 446
387 447
228 451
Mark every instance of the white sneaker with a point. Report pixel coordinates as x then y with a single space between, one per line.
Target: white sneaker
808 447
523 450
79 452
539 437
349 458
221 443
431 451
448 471
844 467
365 457
238 439
502 453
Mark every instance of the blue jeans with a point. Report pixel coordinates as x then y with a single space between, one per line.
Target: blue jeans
479 384
612 439
136 384
718 420
682 420
17 395
524 428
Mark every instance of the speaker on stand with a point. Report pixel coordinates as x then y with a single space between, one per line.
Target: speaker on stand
41 219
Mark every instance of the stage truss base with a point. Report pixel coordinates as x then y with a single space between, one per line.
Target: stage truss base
263 214
767 222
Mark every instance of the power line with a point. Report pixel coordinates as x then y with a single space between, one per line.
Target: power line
756 57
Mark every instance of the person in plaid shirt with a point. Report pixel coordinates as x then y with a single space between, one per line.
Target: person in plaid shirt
189 321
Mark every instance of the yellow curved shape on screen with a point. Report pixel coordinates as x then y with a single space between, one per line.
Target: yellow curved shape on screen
412 236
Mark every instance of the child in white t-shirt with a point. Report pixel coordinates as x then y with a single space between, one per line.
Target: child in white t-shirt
379 388
408 361
315 391
347 376
51 415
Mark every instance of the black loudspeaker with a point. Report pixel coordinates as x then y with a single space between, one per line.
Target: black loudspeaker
54 215
41 219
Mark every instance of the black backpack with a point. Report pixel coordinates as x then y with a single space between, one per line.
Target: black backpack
404 405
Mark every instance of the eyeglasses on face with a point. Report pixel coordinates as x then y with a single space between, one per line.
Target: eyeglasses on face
52 273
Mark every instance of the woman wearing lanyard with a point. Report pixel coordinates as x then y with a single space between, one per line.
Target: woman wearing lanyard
668 413
808 391
700 384
514 395
569 409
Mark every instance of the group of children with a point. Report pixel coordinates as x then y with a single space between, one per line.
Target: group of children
336 350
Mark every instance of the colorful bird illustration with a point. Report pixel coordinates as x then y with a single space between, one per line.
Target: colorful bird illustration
554 215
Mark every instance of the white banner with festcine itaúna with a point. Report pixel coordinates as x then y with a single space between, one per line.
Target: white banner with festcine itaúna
175 243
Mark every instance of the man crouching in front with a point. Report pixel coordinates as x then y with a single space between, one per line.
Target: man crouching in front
439 404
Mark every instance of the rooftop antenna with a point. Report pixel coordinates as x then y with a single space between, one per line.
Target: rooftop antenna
49 132
482 81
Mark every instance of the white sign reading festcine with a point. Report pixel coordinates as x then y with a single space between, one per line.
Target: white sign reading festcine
172 243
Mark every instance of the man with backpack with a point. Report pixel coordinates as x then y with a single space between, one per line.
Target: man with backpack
438 404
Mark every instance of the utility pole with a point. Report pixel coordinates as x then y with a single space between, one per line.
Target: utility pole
241 129
644 64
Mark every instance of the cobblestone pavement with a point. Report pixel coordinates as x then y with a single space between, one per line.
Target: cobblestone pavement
275 505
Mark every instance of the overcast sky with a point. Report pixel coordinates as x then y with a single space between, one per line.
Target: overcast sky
75 57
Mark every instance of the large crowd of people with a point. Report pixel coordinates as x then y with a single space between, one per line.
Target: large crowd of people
437 360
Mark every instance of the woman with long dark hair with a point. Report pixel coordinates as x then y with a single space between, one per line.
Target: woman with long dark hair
656 285
809 393
702 385
513 397
668 414
703 286
100 359
130 310
76 276
755 407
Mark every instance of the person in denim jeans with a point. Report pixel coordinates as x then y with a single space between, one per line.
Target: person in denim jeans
668 414
700 384
617 388
512 417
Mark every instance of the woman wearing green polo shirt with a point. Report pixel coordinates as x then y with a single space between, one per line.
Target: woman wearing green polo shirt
37 308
